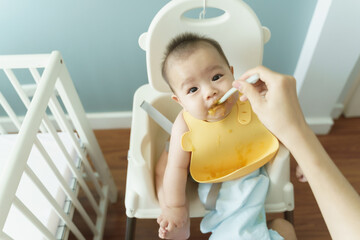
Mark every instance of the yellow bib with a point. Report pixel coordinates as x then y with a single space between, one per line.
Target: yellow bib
230 148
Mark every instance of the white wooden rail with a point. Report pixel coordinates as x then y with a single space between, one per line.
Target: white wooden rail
54 80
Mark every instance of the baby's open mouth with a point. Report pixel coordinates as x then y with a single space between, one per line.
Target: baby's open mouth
217 108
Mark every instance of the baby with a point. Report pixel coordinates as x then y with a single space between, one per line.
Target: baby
198 74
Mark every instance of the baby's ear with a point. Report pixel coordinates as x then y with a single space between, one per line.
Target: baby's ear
176 99
232 69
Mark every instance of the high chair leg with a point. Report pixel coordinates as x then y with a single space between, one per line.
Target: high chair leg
289 215
130 228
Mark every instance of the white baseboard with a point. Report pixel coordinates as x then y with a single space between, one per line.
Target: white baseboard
337 110
106 120
110 120
320 125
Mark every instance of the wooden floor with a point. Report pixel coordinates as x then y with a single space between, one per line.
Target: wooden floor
343 145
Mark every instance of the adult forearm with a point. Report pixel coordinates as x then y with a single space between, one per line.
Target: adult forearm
337 199
275 101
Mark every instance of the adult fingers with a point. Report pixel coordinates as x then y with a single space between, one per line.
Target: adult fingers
249 92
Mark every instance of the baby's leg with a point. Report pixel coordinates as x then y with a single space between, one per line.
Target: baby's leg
283 227
166 231
300 175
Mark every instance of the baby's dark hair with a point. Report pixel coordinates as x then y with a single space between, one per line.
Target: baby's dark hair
183 45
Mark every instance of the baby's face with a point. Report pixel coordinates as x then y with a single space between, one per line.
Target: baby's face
199 80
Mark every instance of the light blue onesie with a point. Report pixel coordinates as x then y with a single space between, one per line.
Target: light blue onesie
239 213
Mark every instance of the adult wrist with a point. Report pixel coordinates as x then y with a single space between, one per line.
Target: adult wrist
296 135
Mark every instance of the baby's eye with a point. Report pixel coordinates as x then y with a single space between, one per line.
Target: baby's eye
216 77
192 90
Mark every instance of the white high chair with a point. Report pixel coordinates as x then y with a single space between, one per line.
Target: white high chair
242 38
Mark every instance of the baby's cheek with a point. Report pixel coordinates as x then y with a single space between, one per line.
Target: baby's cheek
198 113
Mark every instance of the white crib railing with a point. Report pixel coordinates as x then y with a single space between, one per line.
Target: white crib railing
55 79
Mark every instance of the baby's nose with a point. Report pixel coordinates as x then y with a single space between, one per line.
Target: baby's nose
212 93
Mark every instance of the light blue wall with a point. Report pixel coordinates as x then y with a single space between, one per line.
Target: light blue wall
99 40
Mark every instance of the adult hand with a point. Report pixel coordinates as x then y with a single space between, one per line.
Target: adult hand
274 100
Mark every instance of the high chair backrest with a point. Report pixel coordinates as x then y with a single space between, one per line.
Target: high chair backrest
238 30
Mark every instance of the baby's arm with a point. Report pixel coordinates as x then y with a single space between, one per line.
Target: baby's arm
175 177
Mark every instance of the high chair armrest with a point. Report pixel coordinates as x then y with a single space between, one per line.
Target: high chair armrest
280 165
140 191
147 140
280 194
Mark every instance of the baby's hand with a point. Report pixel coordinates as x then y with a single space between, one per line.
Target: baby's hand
171 218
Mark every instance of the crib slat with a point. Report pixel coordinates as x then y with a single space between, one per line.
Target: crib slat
2 130
100 221
13 79
71 164
18 204
56 109
16 162
20 91
24 61
2 103
53 203
65 187
68 207
56 73
59 114
17 123
65 127
4 236
76 111
9 111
